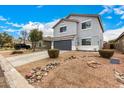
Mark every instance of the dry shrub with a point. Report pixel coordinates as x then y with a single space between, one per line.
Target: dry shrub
53 53
106 53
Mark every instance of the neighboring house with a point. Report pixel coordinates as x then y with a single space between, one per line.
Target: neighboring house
45 43
106 45
79 32
19 41
119 43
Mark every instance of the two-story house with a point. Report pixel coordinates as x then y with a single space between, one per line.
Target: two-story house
79 32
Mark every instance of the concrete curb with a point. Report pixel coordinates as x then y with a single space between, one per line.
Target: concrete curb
13 77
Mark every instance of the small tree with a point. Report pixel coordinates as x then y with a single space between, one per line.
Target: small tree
35 36
0 39
5 39
24 35
20 39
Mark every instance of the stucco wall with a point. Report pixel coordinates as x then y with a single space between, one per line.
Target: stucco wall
120 44
71 29
95 32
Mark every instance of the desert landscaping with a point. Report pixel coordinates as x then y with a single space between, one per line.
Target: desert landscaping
74 69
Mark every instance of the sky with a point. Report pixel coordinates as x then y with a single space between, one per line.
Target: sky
16 18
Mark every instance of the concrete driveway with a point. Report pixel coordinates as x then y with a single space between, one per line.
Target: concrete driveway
28 58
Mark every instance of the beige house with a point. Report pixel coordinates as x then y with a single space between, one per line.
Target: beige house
119 43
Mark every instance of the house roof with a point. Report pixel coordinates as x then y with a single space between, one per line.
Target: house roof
88 15
120 36
70 20
69 37
47 38
81 15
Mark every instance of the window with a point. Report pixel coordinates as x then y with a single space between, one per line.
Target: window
86 41
86 25
63 29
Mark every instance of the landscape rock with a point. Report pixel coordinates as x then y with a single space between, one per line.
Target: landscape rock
119 76
28 75
36 74
93 64
32 71
46 74
39 77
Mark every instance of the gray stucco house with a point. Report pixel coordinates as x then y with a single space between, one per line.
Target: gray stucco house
119 43
78 32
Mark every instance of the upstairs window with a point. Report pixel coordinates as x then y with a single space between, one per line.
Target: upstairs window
63 29
86 25
86 41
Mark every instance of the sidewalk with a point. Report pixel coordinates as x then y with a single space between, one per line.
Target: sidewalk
13 78
3 83
28 58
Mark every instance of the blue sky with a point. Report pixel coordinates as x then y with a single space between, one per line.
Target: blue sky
14 19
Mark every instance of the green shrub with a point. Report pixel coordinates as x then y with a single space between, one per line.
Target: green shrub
53 53
106 53
17 52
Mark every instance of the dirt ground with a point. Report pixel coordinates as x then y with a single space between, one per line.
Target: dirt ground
76 72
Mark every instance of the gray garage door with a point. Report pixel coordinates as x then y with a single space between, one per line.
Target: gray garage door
63 44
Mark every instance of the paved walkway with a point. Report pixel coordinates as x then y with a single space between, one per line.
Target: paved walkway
13 78
28 58
3 83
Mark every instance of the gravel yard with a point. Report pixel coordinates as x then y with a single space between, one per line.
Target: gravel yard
77 69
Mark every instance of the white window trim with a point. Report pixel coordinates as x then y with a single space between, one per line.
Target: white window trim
86 38
86 21
62 26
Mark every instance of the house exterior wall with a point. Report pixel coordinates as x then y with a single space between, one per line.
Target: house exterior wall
71 29
95 33
47 44
120 44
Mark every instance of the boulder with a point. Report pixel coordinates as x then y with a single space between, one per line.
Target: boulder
38 73
28 75
39 77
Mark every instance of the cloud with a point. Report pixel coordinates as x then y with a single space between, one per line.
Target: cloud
2 27
45 27
107 9
12 30
122 17
39 6
118 11
113 9
2 18
118 24
112 34
15 24
109 17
